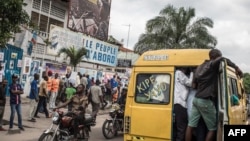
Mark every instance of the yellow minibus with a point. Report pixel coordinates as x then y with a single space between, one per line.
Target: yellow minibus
149 104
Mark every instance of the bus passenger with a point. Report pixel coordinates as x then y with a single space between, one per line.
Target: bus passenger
206 80
182 84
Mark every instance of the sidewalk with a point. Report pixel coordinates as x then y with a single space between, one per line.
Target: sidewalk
42 120
25 100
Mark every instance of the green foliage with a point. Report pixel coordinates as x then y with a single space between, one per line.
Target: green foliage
12 16
246 82
173 29
74 54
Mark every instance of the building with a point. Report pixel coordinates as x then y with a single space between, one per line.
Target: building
45 13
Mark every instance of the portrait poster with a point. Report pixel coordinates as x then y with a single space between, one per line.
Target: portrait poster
94 13
27 64
3 65
12 63
19 63
34 68
1 56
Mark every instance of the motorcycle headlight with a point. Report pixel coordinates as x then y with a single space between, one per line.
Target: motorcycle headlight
55 118
112 113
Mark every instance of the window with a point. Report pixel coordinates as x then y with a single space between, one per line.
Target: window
152 88
233 91
44 21
55 10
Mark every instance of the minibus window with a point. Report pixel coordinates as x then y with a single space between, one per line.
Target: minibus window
152 88
233 91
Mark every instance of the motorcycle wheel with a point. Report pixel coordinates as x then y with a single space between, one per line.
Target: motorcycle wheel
46 137
84 134
108 129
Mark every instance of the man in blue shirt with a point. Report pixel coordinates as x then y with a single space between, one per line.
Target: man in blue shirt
33 98
113 82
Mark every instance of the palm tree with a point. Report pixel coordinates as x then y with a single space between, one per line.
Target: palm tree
74 54
173 29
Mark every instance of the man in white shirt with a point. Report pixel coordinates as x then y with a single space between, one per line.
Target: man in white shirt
181 90
95 92
84 81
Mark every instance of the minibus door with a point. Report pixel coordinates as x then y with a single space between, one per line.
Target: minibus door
151 107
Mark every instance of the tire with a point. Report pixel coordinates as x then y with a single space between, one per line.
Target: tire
46 137
108 129
84 134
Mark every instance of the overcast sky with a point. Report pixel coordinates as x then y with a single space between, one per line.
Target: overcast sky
231 23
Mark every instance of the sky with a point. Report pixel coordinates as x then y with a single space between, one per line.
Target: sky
231 23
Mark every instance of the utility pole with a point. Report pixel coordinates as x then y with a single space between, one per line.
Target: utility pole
127 38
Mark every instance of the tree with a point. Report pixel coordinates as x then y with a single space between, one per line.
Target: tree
12 16
173 29
246 82
74 54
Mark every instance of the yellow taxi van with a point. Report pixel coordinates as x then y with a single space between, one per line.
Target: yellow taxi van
149 104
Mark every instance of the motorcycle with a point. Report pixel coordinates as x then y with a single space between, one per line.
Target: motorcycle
62 129
114 123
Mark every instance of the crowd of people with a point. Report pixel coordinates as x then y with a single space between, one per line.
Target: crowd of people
53 92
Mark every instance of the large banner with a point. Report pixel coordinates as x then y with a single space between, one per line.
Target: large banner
99 52
90 17
57 68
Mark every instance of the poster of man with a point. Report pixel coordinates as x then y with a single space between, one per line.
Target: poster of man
1 56
27 63
34 68
90 17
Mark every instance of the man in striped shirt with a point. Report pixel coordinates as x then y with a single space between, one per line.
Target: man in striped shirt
15 102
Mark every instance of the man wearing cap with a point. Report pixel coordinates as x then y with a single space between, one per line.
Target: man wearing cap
3 83
15 102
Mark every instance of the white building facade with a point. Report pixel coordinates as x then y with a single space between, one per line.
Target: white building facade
44 13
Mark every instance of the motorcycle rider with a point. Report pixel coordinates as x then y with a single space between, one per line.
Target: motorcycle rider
79 101
122 98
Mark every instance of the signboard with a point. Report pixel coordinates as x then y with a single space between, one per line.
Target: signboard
90 17
99 52
124 63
